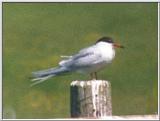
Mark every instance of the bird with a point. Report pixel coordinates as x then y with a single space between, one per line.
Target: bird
89 60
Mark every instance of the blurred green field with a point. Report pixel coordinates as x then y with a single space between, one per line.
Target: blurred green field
36 34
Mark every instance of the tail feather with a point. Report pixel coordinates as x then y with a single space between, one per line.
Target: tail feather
40 80
43 75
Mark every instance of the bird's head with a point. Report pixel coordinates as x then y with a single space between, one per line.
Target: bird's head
110 41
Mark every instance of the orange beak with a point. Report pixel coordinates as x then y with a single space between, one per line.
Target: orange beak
116 45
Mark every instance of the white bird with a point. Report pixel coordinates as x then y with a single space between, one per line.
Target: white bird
88 61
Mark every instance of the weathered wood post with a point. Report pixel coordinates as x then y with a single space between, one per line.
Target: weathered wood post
91 99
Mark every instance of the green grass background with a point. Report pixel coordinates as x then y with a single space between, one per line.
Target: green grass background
36 34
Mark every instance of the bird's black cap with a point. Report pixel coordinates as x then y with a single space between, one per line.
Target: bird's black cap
105 39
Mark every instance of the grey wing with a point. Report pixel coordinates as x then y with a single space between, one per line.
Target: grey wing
86 57
86 60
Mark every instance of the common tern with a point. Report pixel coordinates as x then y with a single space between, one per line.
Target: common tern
88 61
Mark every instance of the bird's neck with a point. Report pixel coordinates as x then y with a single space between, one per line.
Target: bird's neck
105 46
107 50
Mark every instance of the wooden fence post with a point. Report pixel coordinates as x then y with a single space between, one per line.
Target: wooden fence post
90 98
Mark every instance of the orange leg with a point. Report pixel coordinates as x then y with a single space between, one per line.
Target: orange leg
95 74
92 76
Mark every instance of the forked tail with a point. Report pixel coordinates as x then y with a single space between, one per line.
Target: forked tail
43 75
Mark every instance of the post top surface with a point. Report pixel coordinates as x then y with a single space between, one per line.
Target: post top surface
89 82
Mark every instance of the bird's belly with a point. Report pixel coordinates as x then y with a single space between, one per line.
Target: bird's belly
93 68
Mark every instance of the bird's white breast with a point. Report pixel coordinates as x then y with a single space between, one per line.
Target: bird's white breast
107 51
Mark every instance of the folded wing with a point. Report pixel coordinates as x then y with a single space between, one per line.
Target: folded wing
86 57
